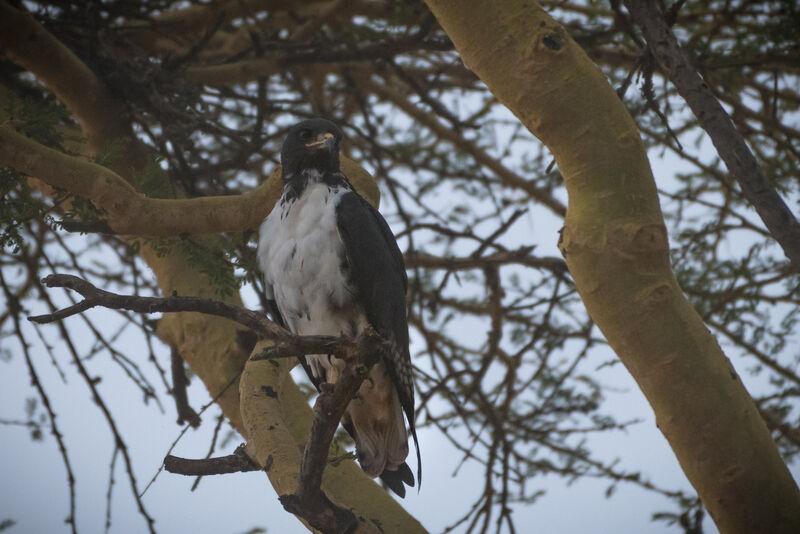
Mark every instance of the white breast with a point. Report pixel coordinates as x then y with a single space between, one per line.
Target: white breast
301 256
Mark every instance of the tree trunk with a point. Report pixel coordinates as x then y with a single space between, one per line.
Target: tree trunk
615 245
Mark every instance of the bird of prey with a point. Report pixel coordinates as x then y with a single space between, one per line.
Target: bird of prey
331 266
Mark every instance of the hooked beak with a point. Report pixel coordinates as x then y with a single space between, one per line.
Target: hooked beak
325 140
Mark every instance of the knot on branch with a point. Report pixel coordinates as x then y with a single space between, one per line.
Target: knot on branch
320 513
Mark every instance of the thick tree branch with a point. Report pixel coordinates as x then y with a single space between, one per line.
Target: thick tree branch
132 213
615 245
733 150
100 115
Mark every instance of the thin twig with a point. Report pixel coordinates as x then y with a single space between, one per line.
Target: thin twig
186 413
13 305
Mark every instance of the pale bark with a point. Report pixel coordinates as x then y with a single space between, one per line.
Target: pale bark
615 245
277 420
209 345
131 213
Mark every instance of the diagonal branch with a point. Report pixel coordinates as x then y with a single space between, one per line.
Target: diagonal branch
102 116
130 212
712 117
309 502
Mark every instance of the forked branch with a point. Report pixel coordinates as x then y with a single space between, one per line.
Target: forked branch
309 502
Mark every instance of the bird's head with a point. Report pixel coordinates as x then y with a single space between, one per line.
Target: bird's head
311 144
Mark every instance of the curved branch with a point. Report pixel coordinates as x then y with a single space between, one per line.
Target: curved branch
98 297
286 344
132 213
27 43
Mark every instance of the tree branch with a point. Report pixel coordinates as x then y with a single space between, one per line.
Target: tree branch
100 114
616 247
286 344
520 256
309 502
132 213
712 117
179 383
97 297
238 462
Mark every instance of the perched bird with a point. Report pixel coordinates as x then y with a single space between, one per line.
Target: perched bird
331 266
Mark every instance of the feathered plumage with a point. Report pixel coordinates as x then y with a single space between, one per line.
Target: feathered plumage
331 266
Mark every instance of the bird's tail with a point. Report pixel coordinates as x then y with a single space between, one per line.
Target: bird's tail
379 430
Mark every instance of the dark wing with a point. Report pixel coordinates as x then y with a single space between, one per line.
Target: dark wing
273 310
377 272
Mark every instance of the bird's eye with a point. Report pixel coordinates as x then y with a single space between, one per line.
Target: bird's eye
305 134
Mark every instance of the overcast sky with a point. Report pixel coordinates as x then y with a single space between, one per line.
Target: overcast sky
33 489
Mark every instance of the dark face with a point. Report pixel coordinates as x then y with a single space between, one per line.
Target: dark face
311 144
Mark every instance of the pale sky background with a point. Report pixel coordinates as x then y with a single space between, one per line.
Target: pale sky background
33 489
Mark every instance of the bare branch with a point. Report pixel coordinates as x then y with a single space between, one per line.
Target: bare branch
741 163
179 383
238 462
97 297
286 344
13 304
310 502
520 256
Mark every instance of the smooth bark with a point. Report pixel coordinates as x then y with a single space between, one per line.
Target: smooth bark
209 345
615 245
